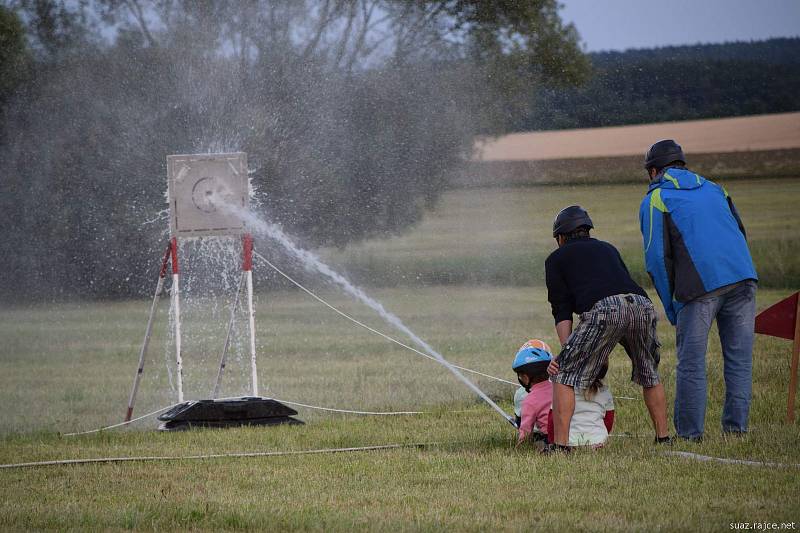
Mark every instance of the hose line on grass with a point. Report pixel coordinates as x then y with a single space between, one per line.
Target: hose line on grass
334 410
350 411
725 460
216 455
96 460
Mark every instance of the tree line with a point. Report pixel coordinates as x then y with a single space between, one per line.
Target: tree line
672 84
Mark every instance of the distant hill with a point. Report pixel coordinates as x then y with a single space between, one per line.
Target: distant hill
674 83
783 51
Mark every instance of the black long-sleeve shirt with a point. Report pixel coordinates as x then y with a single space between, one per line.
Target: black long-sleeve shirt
582 272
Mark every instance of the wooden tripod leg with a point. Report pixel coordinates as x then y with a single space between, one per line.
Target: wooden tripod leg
147 333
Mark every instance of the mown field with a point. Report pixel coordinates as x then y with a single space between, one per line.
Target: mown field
67 367
502 235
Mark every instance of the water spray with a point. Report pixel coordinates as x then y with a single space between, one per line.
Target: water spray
440 359
313 263
224 357
209 196
197 185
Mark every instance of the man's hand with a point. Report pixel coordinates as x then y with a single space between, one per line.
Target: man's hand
552 368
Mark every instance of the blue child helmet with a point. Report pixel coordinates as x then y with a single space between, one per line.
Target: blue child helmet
531 353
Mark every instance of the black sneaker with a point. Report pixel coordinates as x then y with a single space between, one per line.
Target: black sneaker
667 441
553 449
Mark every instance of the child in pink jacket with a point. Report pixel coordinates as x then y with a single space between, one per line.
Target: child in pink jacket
530 364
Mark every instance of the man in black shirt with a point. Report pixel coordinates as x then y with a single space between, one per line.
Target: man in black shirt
588 277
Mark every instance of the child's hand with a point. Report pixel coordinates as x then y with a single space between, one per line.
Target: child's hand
552 368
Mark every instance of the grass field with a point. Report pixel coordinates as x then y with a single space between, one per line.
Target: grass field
67 367
744 147
710 136
502 235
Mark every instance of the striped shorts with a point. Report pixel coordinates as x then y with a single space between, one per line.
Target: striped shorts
627 319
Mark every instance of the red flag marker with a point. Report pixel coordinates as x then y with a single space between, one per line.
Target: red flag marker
783 320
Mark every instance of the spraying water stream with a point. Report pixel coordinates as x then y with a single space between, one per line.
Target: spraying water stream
313 263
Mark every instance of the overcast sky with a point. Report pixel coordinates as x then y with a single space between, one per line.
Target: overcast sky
623 24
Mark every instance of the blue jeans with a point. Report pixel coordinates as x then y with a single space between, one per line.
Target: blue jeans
735 313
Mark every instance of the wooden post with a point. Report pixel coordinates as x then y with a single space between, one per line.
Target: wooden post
795 358
148 332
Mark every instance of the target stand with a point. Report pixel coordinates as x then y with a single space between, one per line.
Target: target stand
209 195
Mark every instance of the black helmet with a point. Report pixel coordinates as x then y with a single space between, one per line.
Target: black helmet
569 219
663 153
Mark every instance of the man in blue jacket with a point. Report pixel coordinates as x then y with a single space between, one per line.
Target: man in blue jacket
696 253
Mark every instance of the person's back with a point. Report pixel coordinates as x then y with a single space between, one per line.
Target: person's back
593 417
584 271
694 241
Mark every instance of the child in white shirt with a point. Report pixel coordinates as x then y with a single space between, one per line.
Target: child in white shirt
594 414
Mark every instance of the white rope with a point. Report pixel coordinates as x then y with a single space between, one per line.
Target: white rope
121 423
706 458
216 455
331 409
375 331
352 412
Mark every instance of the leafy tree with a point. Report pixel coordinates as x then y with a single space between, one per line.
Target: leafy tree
675 83
13 53
55 27
352 113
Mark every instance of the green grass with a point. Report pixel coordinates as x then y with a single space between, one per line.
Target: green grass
503 235
68 367
468 279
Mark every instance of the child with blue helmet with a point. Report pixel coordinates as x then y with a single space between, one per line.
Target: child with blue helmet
594 406
530 364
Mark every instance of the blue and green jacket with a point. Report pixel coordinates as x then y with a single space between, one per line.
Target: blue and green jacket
694 240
